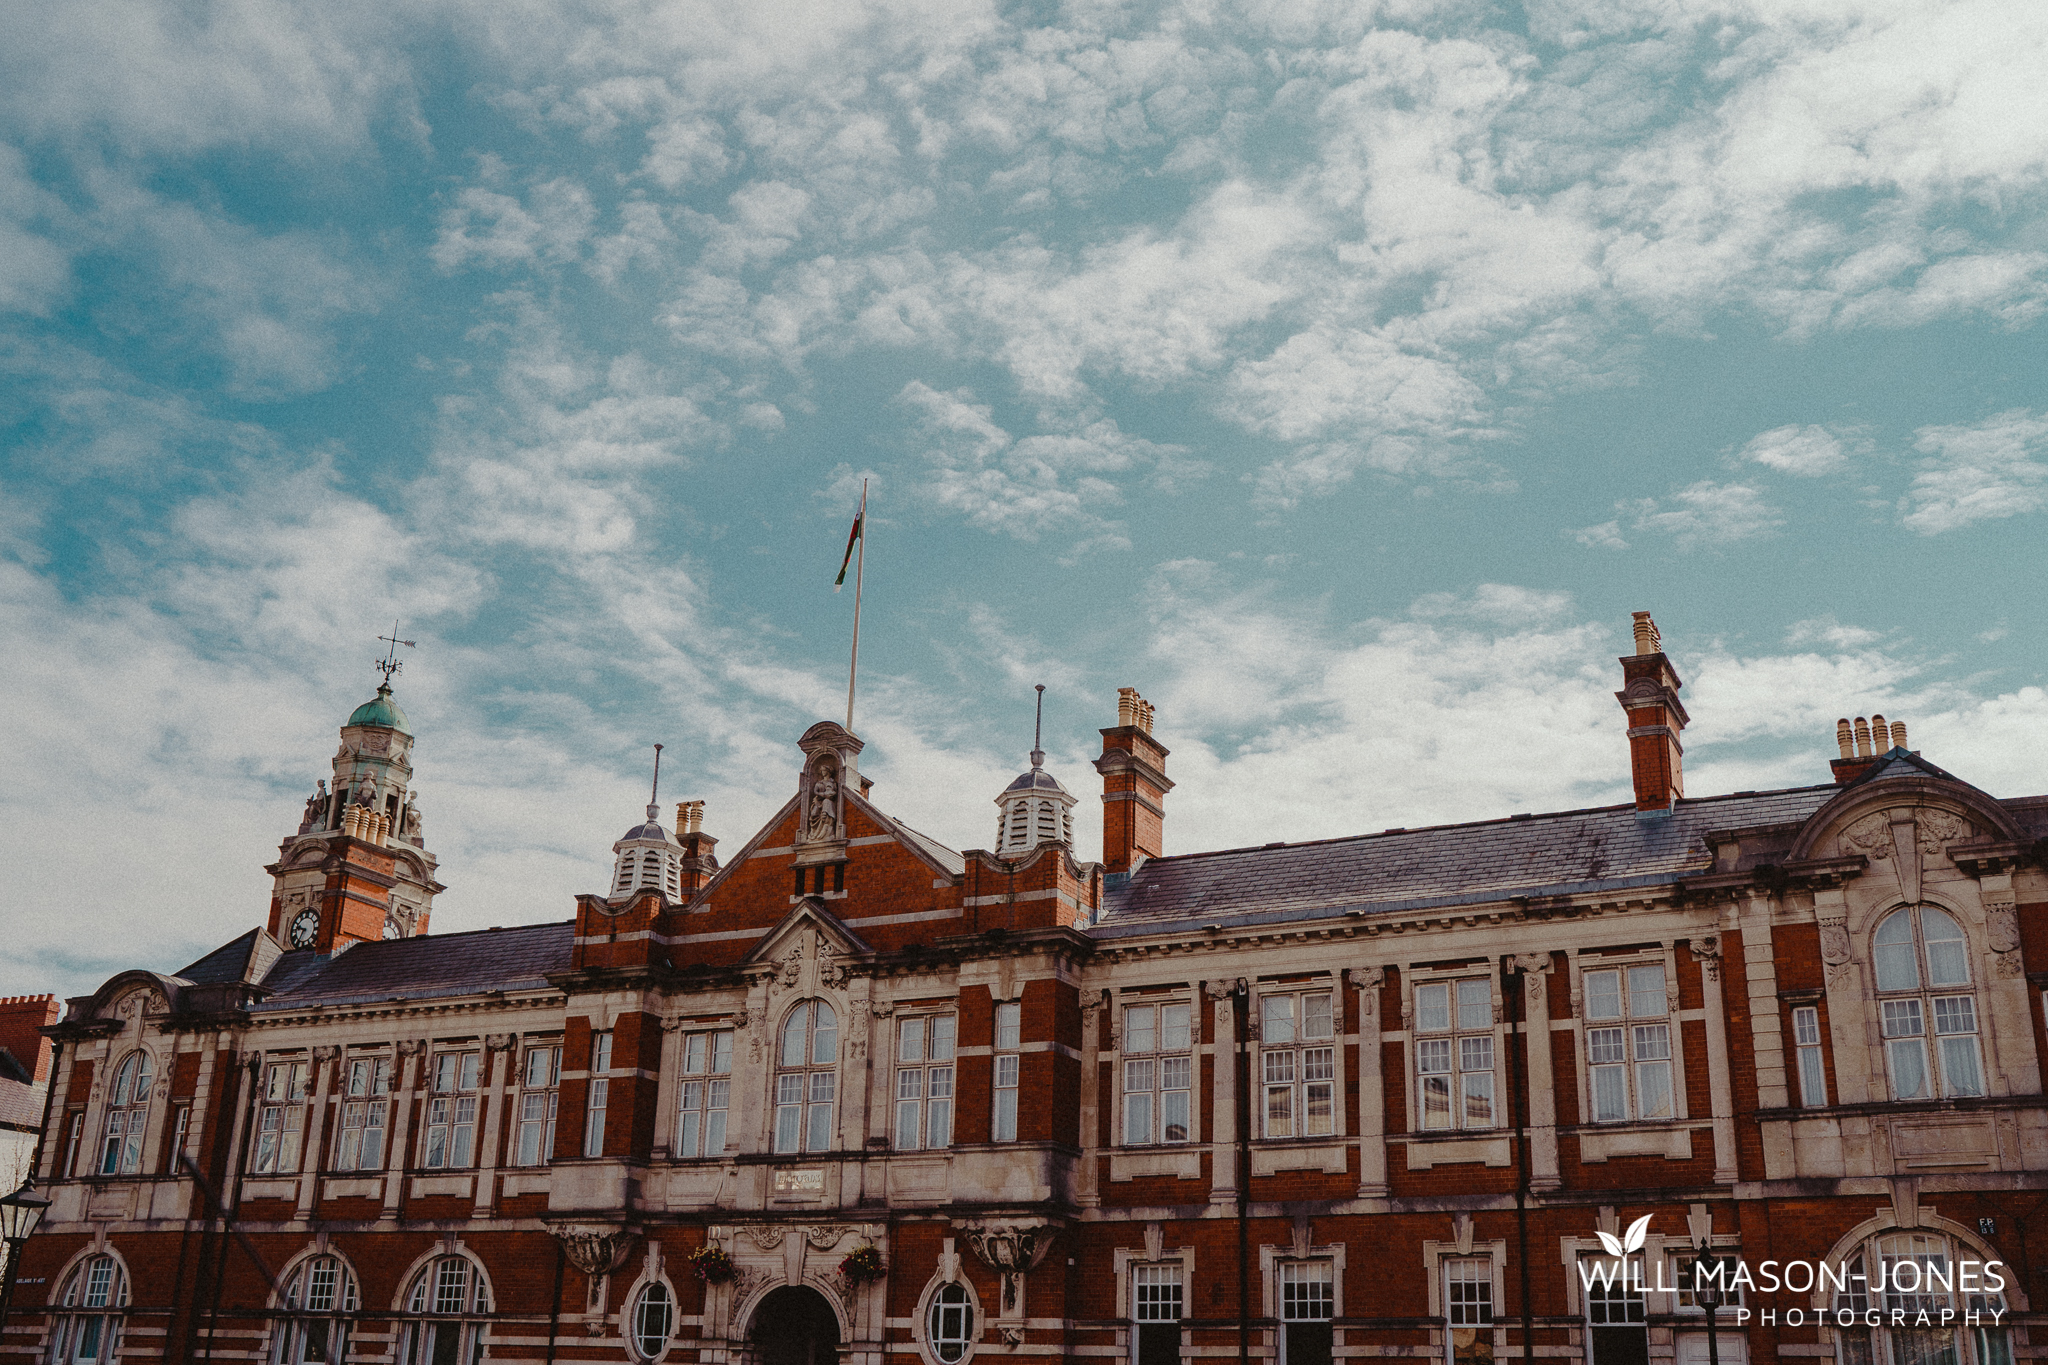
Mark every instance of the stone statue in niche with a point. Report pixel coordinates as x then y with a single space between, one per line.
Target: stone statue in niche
316 809
410 826
824 811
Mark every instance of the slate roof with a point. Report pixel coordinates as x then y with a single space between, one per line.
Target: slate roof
421 968
953 862
239 959
21 1106
1607 847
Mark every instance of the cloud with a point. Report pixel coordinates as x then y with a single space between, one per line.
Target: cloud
1704 515
1605 536
1805 451
496 229
1980 472
1047 483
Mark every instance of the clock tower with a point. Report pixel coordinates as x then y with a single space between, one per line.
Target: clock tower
358 867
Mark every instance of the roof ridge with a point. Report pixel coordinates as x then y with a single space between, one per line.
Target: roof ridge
1469 824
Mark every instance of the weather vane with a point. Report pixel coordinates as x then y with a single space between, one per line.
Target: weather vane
389 665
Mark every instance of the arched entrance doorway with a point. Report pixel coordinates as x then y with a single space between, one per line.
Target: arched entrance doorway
795 1326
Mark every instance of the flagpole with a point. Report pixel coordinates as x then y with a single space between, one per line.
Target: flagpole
860 563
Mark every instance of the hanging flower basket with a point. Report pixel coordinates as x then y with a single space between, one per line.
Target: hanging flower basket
863 1264
712 1265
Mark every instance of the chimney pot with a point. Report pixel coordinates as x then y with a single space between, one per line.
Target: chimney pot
1845 737
1862 738
1647 641
1880 734
1898 734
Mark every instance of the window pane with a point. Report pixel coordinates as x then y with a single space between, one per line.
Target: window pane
1432 1008
795 1036
694 1055
824 1035
1173 1112
1806 1025
1276 1019
1653 1090
1432 1055
1173 1028
1436 1101
1476 1054
910 1041
1892 954
1604 1045
1653 1042
1280 1111
1947 959
1279 1067
1813 1086
1479 1099
942 1038
1141 1028
1316 1021
1318 1109
1138 1116
1909 1068
1961 1073
1610 1094
1646 998
1009 1025
1903 1019
1475 1004
1603 995
1955 1014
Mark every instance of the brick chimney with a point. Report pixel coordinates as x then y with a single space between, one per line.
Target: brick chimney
1134 786
699 863
1649 695
1863 744
21 1019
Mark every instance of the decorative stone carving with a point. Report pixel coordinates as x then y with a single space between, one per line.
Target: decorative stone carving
1871 836
831 971
766 1236
596 1249
411 1047
826 1237
326 1054
2002 926
1939 828
821 818
1369 981
1835 948
501 1042
1708 950
1215 990
792 965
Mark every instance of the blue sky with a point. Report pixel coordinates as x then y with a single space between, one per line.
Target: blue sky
1339 374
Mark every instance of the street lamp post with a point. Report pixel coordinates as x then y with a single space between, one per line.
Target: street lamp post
1709 1293
19 1214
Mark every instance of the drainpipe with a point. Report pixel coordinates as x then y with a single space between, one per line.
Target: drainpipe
1511 979
1243 996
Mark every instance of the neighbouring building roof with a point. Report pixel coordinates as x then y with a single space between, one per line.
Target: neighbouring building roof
512 959
21 1106
1555 854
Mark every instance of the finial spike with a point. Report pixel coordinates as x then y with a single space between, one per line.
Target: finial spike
654 797
1038 732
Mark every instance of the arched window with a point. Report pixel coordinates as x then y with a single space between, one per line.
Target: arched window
318 1298
127 1116
807 1079
1922 962
445 1306
88 1325
654 1319
1907 1295
949 1327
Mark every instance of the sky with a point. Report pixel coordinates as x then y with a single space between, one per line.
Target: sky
1339 375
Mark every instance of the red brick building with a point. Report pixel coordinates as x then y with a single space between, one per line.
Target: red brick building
847 1094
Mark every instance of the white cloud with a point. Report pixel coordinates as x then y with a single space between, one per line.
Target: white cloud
1605 536
1806 451
1705 515
498 230
1982 472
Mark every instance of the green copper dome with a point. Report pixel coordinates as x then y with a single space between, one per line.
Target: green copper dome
381 710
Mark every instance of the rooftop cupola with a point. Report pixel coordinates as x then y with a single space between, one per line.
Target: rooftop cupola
648 857
1035 809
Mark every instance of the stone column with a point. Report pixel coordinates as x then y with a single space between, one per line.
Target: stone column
1720 1086
1372 1088
1536 969
501 1052
1767 1030
411 1065
666 1096
1223 1096
1094 1021
1851 1019
323 1059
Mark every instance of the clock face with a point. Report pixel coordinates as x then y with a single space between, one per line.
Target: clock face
304 927
391 929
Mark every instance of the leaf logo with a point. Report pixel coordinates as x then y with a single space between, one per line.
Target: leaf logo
1632 1240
